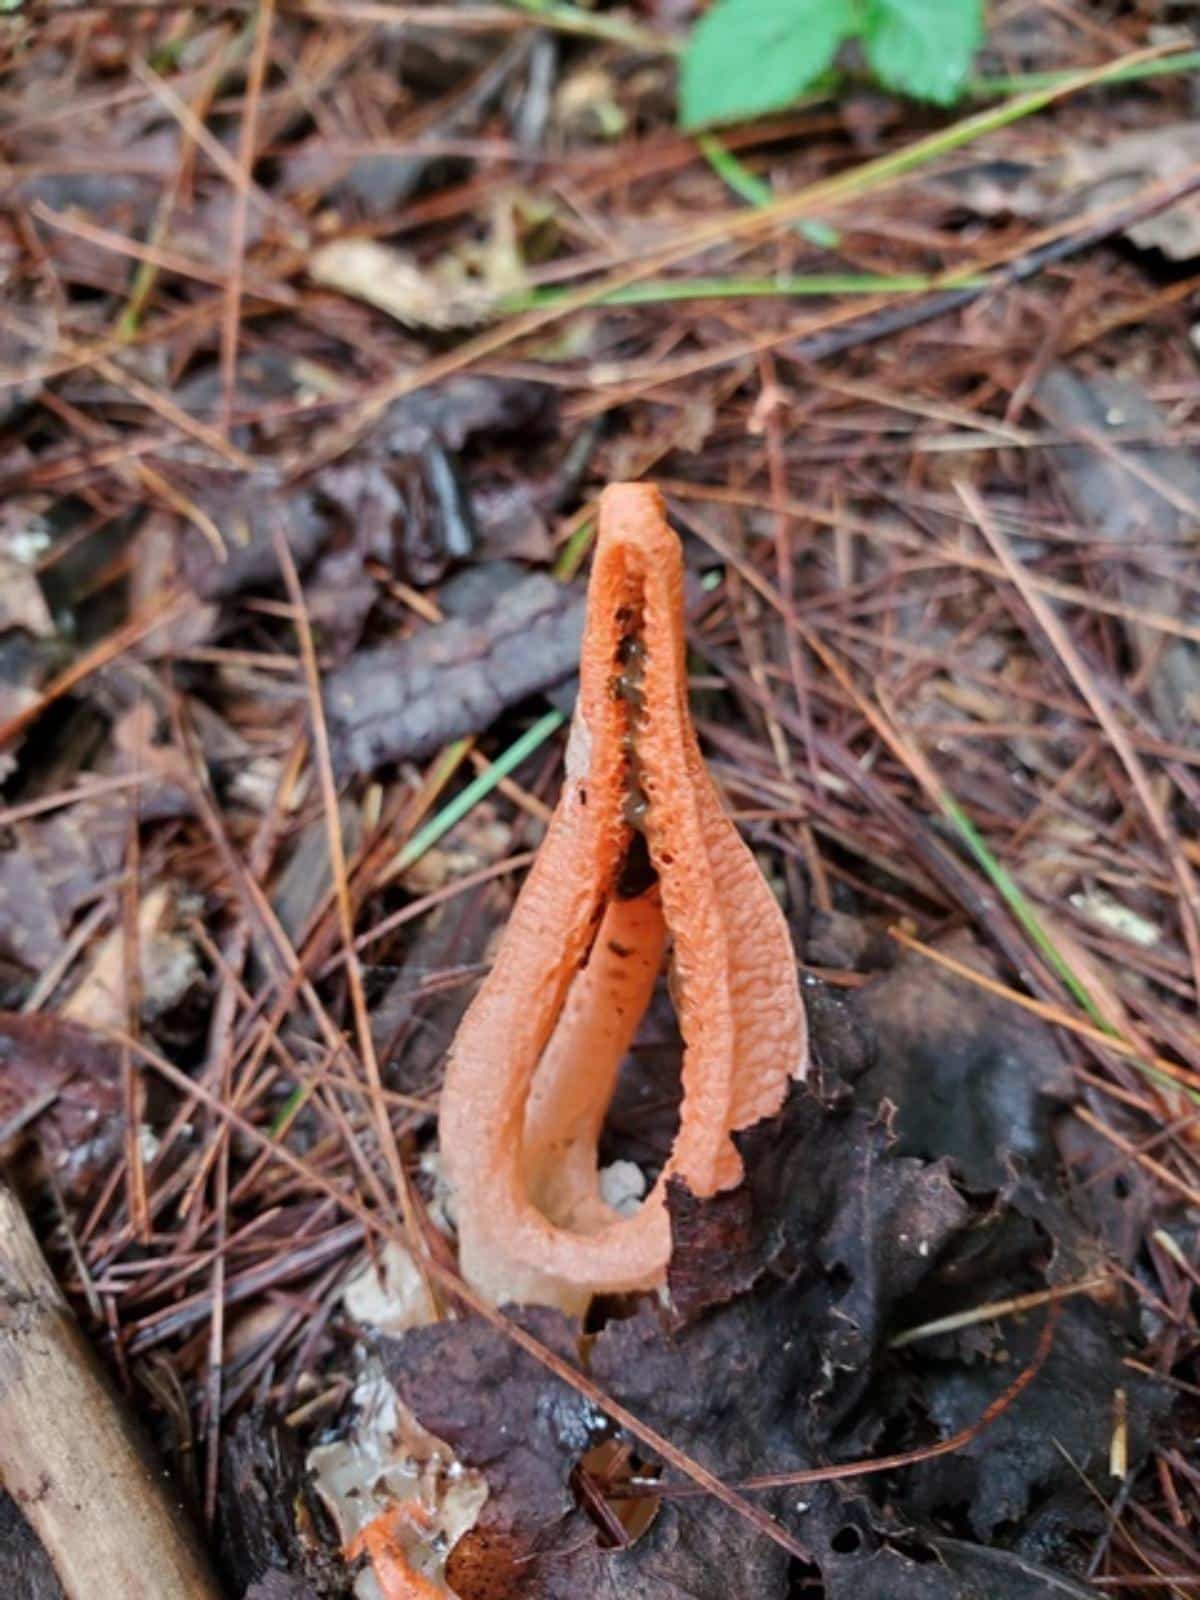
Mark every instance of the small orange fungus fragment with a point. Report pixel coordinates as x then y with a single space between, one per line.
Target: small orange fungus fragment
383 1542
640 860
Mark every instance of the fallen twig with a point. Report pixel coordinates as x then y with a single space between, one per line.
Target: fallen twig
68 1454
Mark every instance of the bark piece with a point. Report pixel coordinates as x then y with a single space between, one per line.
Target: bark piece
454 678
268 1518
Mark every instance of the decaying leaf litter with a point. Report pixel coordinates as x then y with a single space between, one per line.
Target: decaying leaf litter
942 580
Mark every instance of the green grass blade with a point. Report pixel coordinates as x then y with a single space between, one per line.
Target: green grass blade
1026 82
669 291
755 192
566 18
478 789
1015 899
570 558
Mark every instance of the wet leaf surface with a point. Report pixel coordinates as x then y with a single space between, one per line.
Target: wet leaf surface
1027 1472
971 1077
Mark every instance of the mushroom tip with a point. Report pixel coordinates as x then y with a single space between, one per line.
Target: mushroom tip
634 513
632 492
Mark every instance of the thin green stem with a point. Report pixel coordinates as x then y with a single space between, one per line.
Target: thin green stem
457 808
570 558
146 275
1024 82
660 291
566 18
1015 899
873 175
289 1108
755 192
726 165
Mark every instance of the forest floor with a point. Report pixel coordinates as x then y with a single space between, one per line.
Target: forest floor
323 322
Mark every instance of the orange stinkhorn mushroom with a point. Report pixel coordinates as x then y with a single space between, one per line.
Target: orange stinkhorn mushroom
639 857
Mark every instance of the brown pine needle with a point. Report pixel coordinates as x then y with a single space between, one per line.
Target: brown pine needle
337 859
1071 658
997 1309
1047 1010
247 144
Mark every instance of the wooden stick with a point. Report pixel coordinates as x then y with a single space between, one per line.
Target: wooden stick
69 1456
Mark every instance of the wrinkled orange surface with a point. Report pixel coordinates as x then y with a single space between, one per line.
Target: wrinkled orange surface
533 1066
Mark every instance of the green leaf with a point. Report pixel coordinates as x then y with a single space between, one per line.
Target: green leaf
923 48
747 57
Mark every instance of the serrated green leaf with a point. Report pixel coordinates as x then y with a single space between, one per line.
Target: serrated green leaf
748 57
923 48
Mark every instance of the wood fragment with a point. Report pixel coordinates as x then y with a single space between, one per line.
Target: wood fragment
69 1456
407 699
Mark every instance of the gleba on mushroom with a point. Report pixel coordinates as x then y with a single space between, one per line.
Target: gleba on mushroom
640 860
